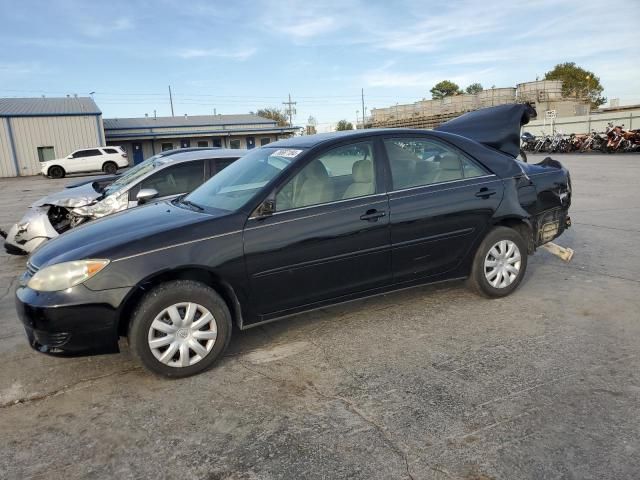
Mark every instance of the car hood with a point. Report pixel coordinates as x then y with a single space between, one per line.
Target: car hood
125 233
70 197
496 127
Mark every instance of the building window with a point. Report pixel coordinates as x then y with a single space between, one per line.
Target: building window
167 146
234 143
185 143
46 153
264 141
217 142
203 143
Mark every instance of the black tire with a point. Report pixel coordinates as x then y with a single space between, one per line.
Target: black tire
163 296
478 280
56 172
110 168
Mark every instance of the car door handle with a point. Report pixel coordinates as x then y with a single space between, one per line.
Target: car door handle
372 215
484 192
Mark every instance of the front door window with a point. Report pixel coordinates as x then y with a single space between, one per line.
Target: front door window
342 173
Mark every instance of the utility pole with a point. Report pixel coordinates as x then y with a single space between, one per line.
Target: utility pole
363 126
290 111
171 100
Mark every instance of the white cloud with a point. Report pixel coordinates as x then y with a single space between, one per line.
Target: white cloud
239 54
98 29
385 78
311 27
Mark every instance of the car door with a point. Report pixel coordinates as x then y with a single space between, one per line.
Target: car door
75 162
89 160
328 237
441 202
172 180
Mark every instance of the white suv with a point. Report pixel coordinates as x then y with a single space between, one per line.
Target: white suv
106 159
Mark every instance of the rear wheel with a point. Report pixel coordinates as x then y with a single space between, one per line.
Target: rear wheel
110 168
500 263
56 172
180 328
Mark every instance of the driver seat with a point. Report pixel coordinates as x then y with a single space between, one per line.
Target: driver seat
314 187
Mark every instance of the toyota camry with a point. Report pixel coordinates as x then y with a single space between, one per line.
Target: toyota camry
299 224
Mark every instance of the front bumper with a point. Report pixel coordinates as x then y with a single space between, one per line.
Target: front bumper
30 232
76 321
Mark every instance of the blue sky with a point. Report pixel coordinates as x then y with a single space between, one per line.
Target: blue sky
241 55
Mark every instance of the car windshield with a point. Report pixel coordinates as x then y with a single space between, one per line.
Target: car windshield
234 186
134 173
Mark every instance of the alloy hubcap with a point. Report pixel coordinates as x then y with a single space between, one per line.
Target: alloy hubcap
182 334
502 264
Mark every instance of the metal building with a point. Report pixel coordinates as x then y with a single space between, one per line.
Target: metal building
146 136
33 130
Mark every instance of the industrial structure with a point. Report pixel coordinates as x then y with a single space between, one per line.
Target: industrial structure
146 136
543 94
33 130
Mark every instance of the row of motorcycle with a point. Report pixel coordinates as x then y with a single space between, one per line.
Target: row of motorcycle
614 139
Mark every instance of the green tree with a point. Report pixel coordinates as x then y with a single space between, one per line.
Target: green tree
445 88
274 114
344 125
474 88
578 83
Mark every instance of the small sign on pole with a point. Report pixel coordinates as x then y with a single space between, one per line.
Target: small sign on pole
551 116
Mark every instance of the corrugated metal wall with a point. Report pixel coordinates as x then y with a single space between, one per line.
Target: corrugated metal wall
584 123
7 168
64 133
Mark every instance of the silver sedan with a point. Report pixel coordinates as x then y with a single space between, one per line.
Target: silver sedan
165 175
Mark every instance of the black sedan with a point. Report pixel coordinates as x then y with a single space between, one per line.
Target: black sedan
293 226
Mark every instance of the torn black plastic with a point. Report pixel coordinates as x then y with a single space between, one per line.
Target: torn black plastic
496 127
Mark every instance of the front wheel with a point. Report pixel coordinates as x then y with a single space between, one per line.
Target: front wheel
180 328
56 172
499 264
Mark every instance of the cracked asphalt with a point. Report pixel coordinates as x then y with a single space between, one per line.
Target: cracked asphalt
428 383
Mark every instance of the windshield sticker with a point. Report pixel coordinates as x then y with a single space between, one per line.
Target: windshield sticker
286 153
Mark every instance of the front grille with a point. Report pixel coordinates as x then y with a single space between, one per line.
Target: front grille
26 276
31 269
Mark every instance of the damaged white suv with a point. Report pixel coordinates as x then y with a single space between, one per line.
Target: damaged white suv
168 174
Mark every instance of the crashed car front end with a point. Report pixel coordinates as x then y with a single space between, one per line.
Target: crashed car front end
50 217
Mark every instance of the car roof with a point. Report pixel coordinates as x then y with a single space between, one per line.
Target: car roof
309 141
202 153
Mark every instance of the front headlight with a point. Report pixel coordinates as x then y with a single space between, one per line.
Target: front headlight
65 275
107 206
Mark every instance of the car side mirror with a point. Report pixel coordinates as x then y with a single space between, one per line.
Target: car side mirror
265 209
145 195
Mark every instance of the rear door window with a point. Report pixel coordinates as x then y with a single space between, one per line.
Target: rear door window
176 179
87 153
416 162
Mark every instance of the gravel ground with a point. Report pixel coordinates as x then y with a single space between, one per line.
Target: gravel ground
428 383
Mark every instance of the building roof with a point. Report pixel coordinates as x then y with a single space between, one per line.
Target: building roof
47 106
185 121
